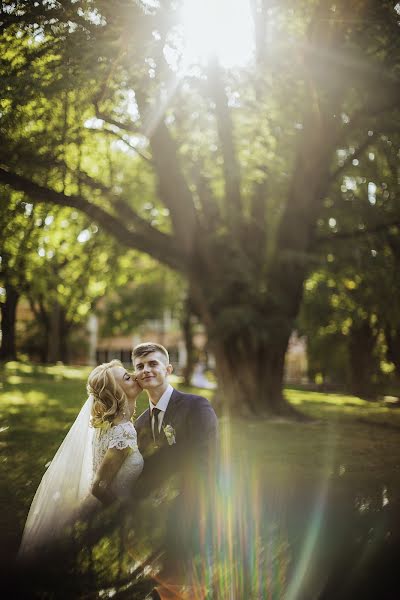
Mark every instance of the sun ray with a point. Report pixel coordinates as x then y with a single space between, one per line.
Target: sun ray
217 28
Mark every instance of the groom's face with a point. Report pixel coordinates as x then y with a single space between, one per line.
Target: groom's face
152 370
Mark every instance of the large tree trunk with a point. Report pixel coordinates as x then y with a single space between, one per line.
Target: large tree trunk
363 362
250 380
248 334
249 316
8 350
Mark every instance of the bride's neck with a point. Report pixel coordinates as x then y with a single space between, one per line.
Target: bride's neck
130 409
126 413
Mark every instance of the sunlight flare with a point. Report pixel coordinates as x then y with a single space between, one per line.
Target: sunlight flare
217 28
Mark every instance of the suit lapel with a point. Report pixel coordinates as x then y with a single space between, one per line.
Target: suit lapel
171 408
169 418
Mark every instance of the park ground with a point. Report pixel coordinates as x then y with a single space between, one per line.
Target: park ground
335 476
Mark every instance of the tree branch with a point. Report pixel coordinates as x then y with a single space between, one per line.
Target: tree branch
173 189
128 214
225 132
209 206
382 104
310 179
259 16
258 206
110 121
362 147
346 235
157 244
145 157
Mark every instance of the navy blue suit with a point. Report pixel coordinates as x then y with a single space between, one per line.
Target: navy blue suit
191 461
195 427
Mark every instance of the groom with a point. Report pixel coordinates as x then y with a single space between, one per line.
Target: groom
177 436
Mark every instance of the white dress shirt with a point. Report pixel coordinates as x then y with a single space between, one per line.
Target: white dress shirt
162 405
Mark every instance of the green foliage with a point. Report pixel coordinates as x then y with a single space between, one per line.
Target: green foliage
52 257
359 276
142 292
219 173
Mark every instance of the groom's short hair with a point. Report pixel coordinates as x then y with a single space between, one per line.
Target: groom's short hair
147 348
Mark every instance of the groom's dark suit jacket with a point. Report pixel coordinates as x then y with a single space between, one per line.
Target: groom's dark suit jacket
192 456
189 465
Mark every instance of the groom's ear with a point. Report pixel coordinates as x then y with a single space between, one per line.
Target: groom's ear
170 368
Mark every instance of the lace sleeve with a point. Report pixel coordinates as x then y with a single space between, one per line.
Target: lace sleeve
123 436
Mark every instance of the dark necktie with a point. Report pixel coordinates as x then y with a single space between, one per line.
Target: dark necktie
155 412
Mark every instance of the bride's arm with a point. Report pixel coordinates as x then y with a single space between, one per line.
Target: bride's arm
111 464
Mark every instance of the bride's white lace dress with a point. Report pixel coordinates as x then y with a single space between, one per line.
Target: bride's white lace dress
119 436
64 494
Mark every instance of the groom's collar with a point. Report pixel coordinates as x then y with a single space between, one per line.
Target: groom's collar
163 402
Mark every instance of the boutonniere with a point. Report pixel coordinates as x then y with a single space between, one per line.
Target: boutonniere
169 434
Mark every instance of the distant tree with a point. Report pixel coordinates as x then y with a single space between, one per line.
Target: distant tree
19 239
54 260
234 164
72 268
343 335
141 290
348 313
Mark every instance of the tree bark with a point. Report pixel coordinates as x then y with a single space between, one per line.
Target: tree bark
188 337
65 329
363 362
250 377
8 350
248 324
393 347
53 337
57 335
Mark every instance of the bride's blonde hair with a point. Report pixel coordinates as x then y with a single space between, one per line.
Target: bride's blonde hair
108 396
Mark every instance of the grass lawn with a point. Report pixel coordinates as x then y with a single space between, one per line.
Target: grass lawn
349 449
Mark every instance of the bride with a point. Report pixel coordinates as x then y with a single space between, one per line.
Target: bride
96 464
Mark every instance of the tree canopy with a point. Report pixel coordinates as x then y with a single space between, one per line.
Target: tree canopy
218 172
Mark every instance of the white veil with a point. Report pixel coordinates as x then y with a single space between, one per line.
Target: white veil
63 488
